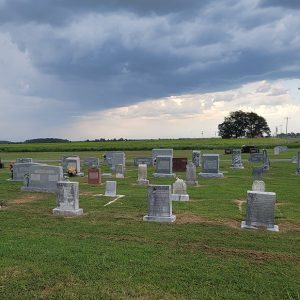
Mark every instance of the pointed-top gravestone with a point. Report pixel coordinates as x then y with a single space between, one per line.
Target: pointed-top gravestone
179 191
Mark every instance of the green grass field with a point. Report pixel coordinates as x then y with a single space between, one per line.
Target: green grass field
110 253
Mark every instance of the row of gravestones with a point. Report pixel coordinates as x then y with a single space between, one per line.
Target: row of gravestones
258 212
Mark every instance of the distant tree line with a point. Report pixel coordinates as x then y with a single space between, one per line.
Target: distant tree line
291 135
46 140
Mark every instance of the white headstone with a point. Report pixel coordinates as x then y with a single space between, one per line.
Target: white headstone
119 169
191 176
68 199
258 186
111 188
179 191
142 174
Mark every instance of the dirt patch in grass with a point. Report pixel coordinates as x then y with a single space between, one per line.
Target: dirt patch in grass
286 227
87 193
26 199
192 219
239 203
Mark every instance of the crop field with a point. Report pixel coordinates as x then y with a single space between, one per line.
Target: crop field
111 253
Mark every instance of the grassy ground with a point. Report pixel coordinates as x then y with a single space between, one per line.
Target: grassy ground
110 253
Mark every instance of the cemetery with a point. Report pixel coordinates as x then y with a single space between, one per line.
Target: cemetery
161 224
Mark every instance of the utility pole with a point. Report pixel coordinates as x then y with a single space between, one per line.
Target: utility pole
280 128
276 131
286 124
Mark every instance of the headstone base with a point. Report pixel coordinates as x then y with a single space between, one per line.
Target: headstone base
110 195
106 175
211 175
237 167
194 183
170 219
180 197
244 226
36 189
143 181
120 176
163 175
67 212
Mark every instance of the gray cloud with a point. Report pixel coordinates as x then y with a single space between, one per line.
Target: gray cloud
102 54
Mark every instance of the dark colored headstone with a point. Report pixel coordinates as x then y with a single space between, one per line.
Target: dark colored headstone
228 151
179 164
94 176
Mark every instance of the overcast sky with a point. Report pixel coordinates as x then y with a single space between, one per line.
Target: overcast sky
81 69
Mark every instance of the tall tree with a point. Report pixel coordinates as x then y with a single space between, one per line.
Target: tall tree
243 124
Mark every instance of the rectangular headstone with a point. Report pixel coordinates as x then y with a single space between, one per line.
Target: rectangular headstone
68 199
191 176
20 170
91 162
24 160
260 210
163 167
71 162
196 158
119 169
118 158
43 178
159 204
210 166
161 152
257 173
237 159
142 174
266 161
256 157
179 164
111 188
143 161
94 176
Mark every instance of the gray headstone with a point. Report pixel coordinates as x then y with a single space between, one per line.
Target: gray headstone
119 169
257 173
164 166
256 157
72 161
142 174
258 186
24 160
143 161
237 159
210 166
91 162
111 188
191 176
118 158
20 170
68 199
260 210
196 158
179 191
43 178
266 161
161 152
298 163
159 204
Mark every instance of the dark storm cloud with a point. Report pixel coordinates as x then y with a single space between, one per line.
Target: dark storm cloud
101 54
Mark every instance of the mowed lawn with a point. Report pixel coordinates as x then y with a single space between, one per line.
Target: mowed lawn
111 253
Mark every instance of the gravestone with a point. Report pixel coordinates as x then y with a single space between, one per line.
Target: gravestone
253 150
276 150
256 157
94 176
159 204
108 157
179 191
266 161
72 164
163 167
294 159
161 152
1 164
24 160
111 188
260 211
119 169
298 163
237 159
91 162
210 166
118 158
179 164
143 161
196 158
43 178
258 186
20 170
142 174
227 151
68 199
191 176
257 173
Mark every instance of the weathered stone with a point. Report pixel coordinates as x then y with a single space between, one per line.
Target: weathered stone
118 158
260 211
298 163
91 162
43 178
143 161
256 157
191 176
24 160
257 173
163 167
210 166
266 161
159 204
68 199
142 174
20 170
196 158
258 186
179 191
161 152
279 149
71 164
111 188
237 159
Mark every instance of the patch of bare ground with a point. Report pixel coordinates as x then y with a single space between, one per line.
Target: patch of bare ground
286 227
192 219
87 194
26 199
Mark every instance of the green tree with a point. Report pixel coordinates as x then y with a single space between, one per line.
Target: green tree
243 124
